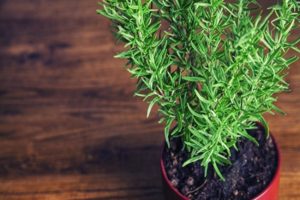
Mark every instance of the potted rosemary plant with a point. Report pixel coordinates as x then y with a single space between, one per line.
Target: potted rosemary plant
212 67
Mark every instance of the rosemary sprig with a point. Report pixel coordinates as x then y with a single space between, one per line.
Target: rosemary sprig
213 71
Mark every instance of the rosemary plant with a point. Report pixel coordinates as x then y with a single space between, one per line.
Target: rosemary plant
212 67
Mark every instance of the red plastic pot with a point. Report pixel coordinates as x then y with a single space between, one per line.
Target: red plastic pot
270 192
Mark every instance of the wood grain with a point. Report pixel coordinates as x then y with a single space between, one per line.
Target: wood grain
69 126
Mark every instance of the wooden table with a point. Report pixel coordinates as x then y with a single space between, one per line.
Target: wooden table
69 126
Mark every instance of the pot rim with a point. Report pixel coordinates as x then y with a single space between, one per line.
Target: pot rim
261 194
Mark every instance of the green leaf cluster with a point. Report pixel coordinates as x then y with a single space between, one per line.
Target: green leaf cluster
212 67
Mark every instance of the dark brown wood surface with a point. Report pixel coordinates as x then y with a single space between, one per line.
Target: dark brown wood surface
69 126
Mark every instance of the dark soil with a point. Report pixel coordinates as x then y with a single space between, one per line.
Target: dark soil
252 169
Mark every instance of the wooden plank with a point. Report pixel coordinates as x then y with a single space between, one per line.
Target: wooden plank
81 187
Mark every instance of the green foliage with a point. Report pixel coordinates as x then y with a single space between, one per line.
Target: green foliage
212 68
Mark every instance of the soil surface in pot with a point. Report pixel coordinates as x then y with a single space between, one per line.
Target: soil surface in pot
252 169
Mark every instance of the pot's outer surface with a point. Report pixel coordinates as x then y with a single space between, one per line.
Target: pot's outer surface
270 193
